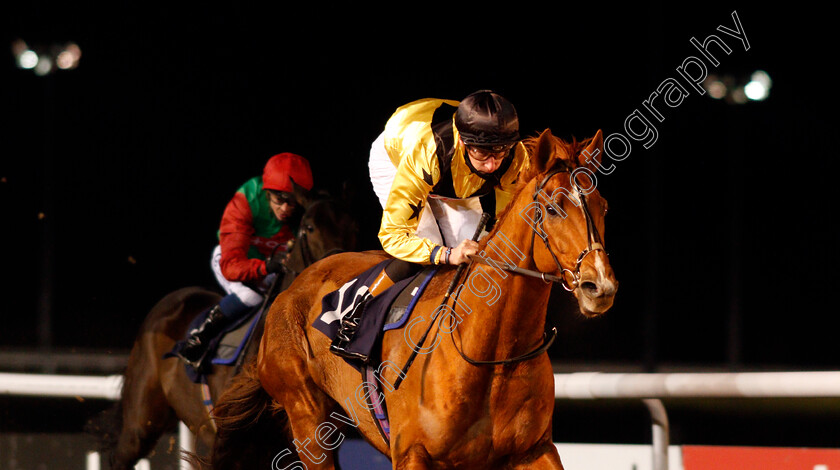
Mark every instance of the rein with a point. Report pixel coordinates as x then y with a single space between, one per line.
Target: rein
593 244
308 259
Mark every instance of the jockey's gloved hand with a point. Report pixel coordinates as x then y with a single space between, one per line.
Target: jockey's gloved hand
275 263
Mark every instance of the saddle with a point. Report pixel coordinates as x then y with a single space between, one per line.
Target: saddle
226 348
389 310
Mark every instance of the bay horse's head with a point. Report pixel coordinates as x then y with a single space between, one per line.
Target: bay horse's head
326 227
567 217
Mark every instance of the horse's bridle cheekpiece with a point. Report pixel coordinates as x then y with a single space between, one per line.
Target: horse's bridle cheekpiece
593 244
593 241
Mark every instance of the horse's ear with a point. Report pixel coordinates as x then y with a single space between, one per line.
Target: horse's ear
544 151
593 151
302 195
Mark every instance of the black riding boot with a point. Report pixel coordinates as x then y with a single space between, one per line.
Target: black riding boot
347 330
195 348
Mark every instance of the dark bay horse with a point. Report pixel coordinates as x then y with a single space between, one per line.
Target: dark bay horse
480 393
157 392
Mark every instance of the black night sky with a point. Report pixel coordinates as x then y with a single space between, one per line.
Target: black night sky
113 176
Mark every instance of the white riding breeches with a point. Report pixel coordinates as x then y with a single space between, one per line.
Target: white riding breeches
246 295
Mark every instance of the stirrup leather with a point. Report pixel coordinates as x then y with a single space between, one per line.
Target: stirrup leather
347 331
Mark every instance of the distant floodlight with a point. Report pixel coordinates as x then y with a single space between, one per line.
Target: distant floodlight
717 89
763 78
43 67
19 47
755 91
27 59
739 90
739 96
44 59
69 57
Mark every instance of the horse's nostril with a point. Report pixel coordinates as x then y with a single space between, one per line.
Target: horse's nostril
590 288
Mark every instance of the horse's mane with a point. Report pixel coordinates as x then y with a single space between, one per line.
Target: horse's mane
564 157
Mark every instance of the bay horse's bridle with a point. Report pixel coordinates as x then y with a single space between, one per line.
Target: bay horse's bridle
302 237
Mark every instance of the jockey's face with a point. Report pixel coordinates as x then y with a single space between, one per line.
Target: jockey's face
487 160
282 205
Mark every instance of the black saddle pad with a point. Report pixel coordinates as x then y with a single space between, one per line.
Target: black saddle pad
388 310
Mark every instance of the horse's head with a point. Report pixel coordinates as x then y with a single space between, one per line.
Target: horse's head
566 214
326 227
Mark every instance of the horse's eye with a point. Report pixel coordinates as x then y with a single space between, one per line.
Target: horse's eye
310 228
550 209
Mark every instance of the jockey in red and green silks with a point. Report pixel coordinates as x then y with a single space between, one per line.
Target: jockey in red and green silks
257 226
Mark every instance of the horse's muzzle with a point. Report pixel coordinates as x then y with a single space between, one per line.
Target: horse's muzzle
596 292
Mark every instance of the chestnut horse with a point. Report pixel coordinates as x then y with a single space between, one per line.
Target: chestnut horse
157 392
480 393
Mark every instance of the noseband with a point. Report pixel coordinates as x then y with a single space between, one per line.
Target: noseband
593 244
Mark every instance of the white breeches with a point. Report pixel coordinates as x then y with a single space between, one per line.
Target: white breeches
247 296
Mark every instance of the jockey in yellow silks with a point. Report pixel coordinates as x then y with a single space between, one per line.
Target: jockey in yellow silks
437 166
431 164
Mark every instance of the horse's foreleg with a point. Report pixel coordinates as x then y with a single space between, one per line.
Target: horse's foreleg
314 435
415 459
544 456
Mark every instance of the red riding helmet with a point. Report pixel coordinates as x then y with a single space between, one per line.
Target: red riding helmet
281 167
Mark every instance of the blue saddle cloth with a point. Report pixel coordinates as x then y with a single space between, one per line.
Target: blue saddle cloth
226 347
375 317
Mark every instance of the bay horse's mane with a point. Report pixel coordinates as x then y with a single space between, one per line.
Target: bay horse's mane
564 157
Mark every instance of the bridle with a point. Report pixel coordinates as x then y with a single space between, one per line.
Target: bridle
594 242
303 238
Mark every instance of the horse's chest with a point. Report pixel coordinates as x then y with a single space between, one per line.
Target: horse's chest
502 421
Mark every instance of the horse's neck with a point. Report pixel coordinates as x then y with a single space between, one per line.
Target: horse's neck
296 262
506 310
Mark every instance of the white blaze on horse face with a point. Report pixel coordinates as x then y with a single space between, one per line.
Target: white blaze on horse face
600 268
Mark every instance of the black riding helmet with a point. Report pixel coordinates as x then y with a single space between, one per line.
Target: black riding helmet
486 119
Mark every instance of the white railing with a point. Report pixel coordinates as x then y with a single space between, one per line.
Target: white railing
653 387
82 386
649 387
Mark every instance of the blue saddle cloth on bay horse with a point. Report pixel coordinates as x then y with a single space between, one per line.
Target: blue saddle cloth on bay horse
226 347
387 311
